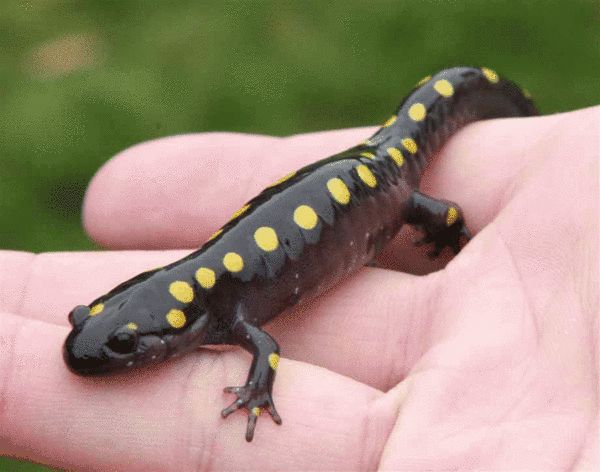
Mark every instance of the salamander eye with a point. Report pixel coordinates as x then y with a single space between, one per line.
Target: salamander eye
123 341
78 315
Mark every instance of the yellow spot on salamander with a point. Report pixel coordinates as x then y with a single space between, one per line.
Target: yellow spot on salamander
274 360
305 217
367 142
366 175
410 145
526 93
233 262
215 234
368 155
96 309
444 88
452 216
417 112
132 326
206 277
491 75
176 318
282 179
424 80
256 411
266 238
396 154
338 190
390 121
239 212
181 291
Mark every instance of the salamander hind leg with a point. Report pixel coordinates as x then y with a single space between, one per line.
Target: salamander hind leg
441 221
256 395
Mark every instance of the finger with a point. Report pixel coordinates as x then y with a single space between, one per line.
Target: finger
14 278
384 313
175 192
168 418
47 286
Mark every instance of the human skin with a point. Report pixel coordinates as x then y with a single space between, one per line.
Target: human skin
490 362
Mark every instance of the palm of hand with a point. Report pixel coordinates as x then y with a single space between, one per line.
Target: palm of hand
486 364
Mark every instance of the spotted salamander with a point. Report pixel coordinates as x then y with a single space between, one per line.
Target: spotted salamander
298 237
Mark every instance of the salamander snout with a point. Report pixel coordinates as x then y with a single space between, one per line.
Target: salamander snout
82 355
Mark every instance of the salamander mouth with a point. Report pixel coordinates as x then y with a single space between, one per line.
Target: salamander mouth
89 372
99 365
85 366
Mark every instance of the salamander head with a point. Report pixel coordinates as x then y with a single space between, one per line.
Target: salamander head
132 327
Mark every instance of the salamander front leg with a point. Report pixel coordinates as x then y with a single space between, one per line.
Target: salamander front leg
256 394
441 221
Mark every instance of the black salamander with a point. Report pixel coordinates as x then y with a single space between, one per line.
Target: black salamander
298 237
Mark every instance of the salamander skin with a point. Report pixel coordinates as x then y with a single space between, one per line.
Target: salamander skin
298 237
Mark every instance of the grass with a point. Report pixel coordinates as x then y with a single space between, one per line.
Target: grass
82 80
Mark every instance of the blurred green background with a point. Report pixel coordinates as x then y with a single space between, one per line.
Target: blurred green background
82 80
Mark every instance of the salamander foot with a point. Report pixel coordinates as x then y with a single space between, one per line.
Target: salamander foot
441 222
447 237
254 401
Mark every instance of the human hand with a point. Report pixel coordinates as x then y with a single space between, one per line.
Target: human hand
490 363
